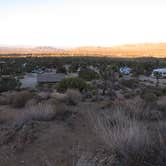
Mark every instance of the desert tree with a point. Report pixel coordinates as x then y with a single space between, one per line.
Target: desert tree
157 76
108 77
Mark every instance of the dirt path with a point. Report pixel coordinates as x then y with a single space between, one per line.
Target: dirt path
53 143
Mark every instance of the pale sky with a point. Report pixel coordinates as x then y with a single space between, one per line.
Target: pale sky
72 23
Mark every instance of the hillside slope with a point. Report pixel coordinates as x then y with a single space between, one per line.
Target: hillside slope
130 51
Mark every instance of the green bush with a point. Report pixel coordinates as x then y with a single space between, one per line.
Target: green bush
132 83
61 69
163 91
149 97
9 83
157 91
72 83
73 68
88 74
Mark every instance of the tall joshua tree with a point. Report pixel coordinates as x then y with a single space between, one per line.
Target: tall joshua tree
157 75
108 76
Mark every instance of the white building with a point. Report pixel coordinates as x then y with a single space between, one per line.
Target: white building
161 71
125 70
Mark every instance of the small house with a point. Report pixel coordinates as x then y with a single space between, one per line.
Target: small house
125 70
50 77
160 71
2 66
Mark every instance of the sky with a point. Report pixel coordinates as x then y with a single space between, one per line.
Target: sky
73 23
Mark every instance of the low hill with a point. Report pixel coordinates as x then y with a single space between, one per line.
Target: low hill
129 51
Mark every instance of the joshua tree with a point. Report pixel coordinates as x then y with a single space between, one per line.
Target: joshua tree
108 76
157 75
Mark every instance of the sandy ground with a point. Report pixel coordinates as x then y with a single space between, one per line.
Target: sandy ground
152 81
29 80
51 143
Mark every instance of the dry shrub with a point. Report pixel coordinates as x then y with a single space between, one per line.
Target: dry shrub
31 102
118 132
136 108
7 97
101 158
20 99
132 83
73 96
149 97
40 112
43 95
3 100
84 161
133 141
59 96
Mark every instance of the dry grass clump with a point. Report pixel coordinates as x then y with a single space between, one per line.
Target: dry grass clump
136 108
134 142
40 112
84 161
60 97
6 97
43 95
73 96
20 99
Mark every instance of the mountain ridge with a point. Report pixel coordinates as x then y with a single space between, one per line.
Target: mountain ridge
127 50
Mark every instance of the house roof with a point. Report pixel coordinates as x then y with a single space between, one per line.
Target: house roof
2 62
51 77
125 70
160 70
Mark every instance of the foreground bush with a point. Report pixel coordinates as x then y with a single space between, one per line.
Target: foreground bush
3 101
40 112
149 97
21 98
9 83
132 83
72 83
73 96
131 141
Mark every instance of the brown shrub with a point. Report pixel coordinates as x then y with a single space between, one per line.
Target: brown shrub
73 96
132 83
59 97
40 112
133 142
31 102
149 97
3 101
43 96
20 99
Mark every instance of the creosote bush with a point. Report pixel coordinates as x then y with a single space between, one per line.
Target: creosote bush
88 74
9 83
73 83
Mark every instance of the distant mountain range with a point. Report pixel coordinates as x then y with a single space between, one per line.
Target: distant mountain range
129 51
